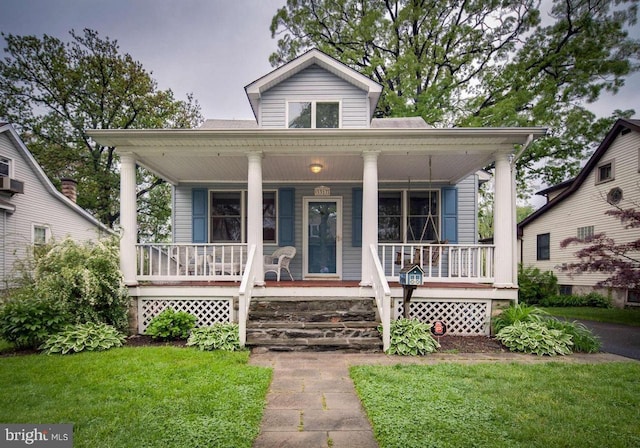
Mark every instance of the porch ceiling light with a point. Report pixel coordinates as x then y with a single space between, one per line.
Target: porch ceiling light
315 168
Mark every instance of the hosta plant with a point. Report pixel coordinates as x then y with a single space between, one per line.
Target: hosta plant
221 336
83 337
171 324
520 312
536 338
583 339
411 337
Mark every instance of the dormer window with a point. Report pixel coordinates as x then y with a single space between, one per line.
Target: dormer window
313 114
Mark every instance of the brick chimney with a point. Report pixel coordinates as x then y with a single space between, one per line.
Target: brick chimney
70 188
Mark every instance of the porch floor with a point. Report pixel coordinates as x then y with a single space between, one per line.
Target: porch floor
315 284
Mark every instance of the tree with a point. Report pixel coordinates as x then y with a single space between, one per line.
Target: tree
54 91
472 63
602 254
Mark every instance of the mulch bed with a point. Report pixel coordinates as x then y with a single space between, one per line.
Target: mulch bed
459 344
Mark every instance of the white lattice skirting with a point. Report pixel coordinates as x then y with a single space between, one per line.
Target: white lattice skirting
208 311
462 317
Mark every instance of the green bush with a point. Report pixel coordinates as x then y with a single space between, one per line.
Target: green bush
83 337
519 312
221 336
583 339
535 285
593 299
411 337
536 338
171 324
86 279
27 320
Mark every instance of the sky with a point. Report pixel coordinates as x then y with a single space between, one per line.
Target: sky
211 48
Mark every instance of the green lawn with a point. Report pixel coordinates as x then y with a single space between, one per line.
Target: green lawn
139 397
502 405
612 315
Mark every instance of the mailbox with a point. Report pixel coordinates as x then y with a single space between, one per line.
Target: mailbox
411 276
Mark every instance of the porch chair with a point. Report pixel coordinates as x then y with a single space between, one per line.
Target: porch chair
279 260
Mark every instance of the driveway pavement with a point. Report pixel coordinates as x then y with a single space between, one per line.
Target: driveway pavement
623 340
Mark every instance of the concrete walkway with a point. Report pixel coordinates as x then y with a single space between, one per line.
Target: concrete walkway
312 401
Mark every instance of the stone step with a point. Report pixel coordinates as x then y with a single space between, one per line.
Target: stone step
319 344
293 330
314 324
312 310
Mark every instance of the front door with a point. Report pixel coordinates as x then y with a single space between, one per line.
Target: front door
322 237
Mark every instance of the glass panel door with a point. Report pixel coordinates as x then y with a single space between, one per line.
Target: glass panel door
323 235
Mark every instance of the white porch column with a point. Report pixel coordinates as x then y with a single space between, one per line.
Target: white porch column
503 223
128 218
369 213
254 212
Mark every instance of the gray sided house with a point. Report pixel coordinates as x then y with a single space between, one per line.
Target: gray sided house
353 198
576 208
32 210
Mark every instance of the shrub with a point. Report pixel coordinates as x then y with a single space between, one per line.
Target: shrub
222 336
536 338
83 337
519 312
535 285
171 324
411 337
86 279
583 339
27 320
592 299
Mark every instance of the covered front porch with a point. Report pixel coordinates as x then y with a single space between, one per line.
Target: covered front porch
357 165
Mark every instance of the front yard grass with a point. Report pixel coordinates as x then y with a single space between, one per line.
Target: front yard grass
610 315
500 405
139 397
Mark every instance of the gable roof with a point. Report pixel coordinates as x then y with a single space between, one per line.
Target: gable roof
311 57
37 169
592 163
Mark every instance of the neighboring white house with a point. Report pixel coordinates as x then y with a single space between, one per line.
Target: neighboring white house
576 208
32 210
357 197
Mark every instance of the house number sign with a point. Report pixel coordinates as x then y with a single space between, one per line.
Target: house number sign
322 191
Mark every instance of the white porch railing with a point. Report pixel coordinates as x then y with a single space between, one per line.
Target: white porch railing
382 294
441 262
167 262
244 294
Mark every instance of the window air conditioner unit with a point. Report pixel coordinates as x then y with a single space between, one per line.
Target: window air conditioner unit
11 185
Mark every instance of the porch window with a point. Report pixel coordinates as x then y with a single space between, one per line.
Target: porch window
229 216
543 246
419 221
390 216
313 114
5 167
424 216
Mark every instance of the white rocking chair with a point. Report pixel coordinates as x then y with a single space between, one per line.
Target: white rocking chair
279 260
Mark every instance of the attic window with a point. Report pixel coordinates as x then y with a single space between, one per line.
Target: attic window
614 196
605 172
313 114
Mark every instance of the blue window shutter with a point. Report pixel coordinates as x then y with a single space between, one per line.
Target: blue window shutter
449 214
356 230
286 217
199 215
